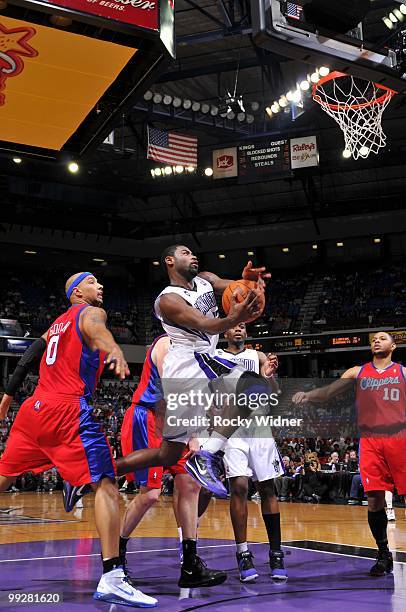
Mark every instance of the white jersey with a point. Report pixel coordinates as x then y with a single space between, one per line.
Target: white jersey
247 358
202 298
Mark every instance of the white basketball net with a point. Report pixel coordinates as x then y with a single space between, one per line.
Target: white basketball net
357 106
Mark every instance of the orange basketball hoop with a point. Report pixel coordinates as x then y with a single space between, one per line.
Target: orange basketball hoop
357 106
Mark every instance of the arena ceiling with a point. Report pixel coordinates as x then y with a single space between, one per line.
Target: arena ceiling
114 194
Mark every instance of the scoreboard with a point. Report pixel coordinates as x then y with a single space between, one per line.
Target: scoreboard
314 343
263 159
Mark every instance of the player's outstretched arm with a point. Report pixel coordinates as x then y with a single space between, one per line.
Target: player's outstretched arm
31 356
326 393
248 273
219 284
175 310
97 336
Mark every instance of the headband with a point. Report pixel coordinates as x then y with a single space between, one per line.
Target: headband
76 282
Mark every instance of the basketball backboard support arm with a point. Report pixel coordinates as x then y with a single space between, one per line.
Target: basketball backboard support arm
273 31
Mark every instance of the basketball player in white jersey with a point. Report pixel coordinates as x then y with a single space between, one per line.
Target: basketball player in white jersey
188 311
252 453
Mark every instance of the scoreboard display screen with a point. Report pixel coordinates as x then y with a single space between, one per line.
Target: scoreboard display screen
262 159
347 341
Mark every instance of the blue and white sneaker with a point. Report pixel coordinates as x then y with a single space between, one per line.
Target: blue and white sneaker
278 571
246 566
206 469
71 494
114 587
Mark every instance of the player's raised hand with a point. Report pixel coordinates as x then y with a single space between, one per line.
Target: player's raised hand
116 361
300 398
241 312
255 274
271 365
5 405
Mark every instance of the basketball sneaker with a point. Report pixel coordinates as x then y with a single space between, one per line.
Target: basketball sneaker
383 564
114 587
206 469
195 573
246 566
278 571
390 513
71 494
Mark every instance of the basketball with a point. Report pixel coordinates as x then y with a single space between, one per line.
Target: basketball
241 288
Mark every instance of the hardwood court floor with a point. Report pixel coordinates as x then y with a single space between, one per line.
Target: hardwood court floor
45 551
28 517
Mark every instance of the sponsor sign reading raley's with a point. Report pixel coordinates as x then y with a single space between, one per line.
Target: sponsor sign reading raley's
225 163
142 13
304 152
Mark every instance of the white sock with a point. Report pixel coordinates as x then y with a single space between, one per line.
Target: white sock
243 547
214 443
180 534
389 499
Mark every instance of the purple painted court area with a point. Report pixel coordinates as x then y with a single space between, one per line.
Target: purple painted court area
317 581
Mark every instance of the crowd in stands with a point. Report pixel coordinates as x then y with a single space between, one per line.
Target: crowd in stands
350 299
347 299
284 299
36 301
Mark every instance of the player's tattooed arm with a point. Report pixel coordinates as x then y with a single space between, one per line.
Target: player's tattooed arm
175 310
98 337
326 393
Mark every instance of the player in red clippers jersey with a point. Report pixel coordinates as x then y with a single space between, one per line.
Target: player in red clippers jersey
56 427
381 404
141 429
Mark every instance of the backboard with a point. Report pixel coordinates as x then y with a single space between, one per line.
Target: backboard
281 27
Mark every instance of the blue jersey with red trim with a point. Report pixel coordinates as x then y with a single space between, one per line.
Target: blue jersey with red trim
149 390
68 366
381 398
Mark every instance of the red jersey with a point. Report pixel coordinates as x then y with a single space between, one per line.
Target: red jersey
68 367
381 399
149 390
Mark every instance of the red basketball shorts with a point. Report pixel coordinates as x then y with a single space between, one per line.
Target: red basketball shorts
58 432
142 428
383 464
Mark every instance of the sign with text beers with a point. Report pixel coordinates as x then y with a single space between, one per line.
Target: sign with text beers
304 152
225 163
141 13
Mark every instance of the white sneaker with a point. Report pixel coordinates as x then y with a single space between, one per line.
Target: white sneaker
390 513
79 503
114 588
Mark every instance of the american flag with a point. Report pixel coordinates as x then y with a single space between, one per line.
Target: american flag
172 148
293 11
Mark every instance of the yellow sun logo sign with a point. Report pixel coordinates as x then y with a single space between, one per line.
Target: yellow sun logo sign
13 47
